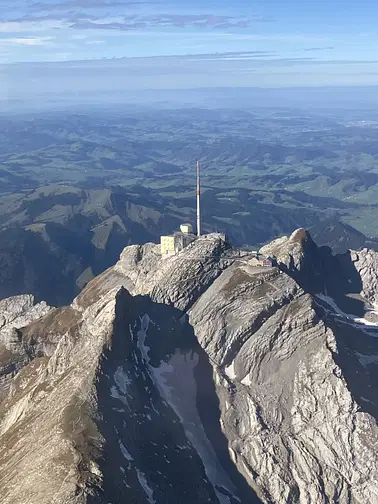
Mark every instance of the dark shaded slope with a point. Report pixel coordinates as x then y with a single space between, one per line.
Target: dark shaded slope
30 264
145 436
50 237
340 237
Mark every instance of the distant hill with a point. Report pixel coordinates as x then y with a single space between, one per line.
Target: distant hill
54 239
76 188
340 237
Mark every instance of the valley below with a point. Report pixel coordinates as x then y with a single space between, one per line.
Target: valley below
204 376
76 188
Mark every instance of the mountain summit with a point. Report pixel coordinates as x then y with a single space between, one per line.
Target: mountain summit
201 377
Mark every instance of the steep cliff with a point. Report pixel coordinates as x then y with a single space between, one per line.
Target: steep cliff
198 378
16 312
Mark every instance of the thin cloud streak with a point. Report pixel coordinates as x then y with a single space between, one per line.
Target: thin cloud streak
229 54
94 42
25 41
85 21
318 49
87 4
164 20
151 62
30 26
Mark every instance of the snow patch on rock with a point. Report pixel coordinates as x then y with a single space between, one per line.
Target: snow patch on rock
121 379
144 484
125 452
119 390
142 335
230 371
177 386
351 318
247 381
366 360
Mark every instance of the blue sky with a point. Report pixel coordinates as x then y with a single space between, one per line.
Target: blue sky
178 44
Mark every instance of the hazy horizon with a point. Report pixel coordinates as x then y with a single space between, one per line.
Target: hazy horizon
317 100
61 47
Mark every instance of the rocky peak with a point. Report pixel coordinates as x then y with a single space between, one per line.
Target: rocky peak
175 280
200 377
365 262
19 311
291 251
15 313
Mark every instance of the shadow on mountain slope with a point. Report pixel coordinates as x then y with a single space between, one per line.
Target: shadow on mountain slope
357 357
321 272
336 277
179 460
336 285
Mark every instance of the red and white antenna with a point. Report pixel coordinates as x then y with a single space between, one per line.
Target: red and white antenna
198 200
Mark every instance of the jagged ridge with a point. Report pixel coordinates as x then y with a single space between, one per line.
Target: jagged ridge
200 378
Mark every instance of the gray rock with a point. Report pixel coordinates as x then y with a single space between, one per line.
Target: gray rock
18 311
15 313
200 378
366 263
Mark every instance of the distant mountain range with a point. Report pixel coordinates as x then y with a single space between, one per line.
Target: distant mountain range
340 237
75 188
53 240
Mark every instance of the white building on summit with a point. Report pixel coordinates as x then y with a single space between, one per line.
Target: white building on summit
186 228
172 244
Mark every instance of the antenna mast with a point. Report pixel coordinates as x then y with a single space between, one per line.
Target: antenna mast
198 200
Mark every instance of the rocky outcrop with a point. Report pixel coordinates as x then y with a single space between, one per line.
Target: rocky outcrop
291 250
366 263
200 378
15 312
292 423
18 311
97 420
177 280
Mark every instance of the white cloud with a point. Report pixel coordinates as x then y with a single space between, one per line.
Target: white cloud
79 36
30 26
65 56
25 41
94 42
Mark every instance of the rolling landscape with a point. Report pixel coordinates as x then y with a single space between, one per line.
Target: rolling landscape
188 252
75 188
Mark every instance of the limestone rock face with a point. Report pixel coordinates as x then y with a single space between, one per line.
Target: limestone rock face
198 378
15 312
290 251
366 263
175 280
19 311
